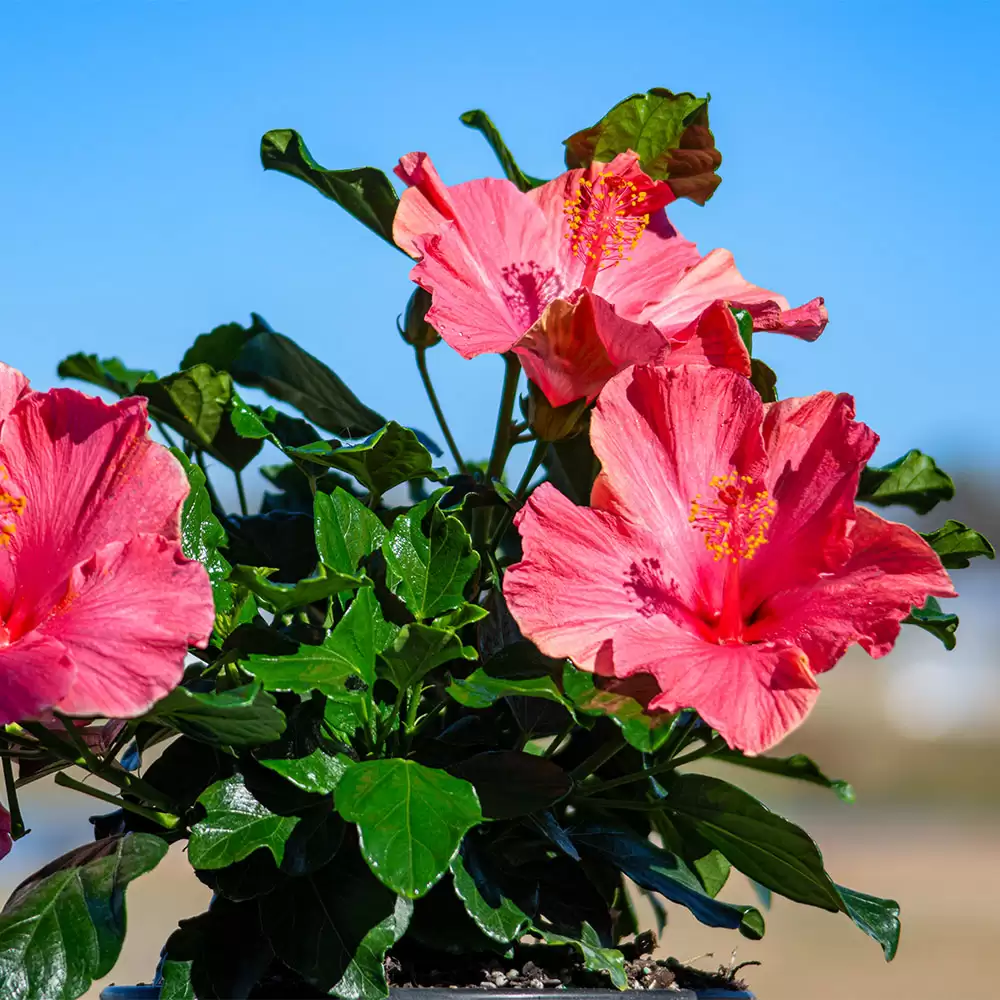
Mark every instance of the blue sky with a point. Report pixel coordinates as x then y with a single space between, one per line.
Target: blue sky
858 140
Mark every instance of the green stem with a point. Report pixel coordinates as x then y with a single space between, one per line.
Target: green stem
502 438
709 748
553 747
425 377
537 457
199 457
240 491
167 820
17 829
626 804
600 756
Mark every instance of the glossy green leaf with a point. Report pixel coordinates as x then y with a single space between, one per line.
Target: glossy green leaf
510 783
596 958
221 346
346 530
334 927
764 380
661 871
744 323
107 373
343 663
175 980
364 192
418 649
914 481
464 614
483 687
956 544
480 121
277 365
390 456
644 730
669 132
319 772
797 766
202 535
63 928
877 917
411 820
235 825
429 571
761 844
495 915
284 597
941 624
243 716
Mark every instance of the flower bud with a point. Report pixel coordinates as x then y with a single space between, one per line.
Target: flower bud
554 423
415 330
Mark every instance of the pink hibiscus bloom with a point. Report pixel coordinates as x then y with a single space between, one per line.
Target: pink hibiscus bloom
97 602
579 277
5 839
723 553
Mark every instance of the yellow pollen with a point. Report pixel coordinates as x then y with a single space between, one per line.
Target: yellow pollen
735 520
605 219
11 507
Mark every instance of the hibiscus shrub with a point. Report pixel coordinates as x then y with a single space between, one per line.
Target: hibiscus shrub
411 710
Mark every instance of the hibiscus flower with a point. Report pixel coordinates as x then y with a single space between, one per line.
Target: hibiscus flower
97 602
722 554
579 277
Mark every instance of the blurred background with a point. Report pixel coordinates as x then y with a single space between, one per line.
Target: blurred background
858 142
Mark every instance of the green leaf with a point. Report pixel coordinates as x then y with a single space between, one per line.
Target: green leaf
222 345
390 456
364 192
342 664
284 597
334 927
914 481
660 871
318 773
411 820
235 825
464 614
480 121
429 572
346 530
761 844
107 373
483 687
175 980
510 783
595 957
243 716
643 730
669 132
418 649
495 915
956 544
193 402
64 927
202 535
877 917
941 624
797 766
276 364
744 322
764 380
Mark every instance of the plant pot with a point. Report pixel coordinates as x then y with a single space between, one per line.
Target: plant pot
433 993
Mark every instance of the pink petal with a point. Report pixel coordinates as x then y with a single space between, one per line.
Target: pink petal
816 451
425 206
890 570
753 695
127 619
492 270
571 592
90 476
712 339
661 435
5 839
579 343
35 673
13 385
680 298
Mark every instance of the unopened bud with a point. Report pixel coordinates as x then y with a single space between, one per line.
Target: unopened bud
554 423
415 330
